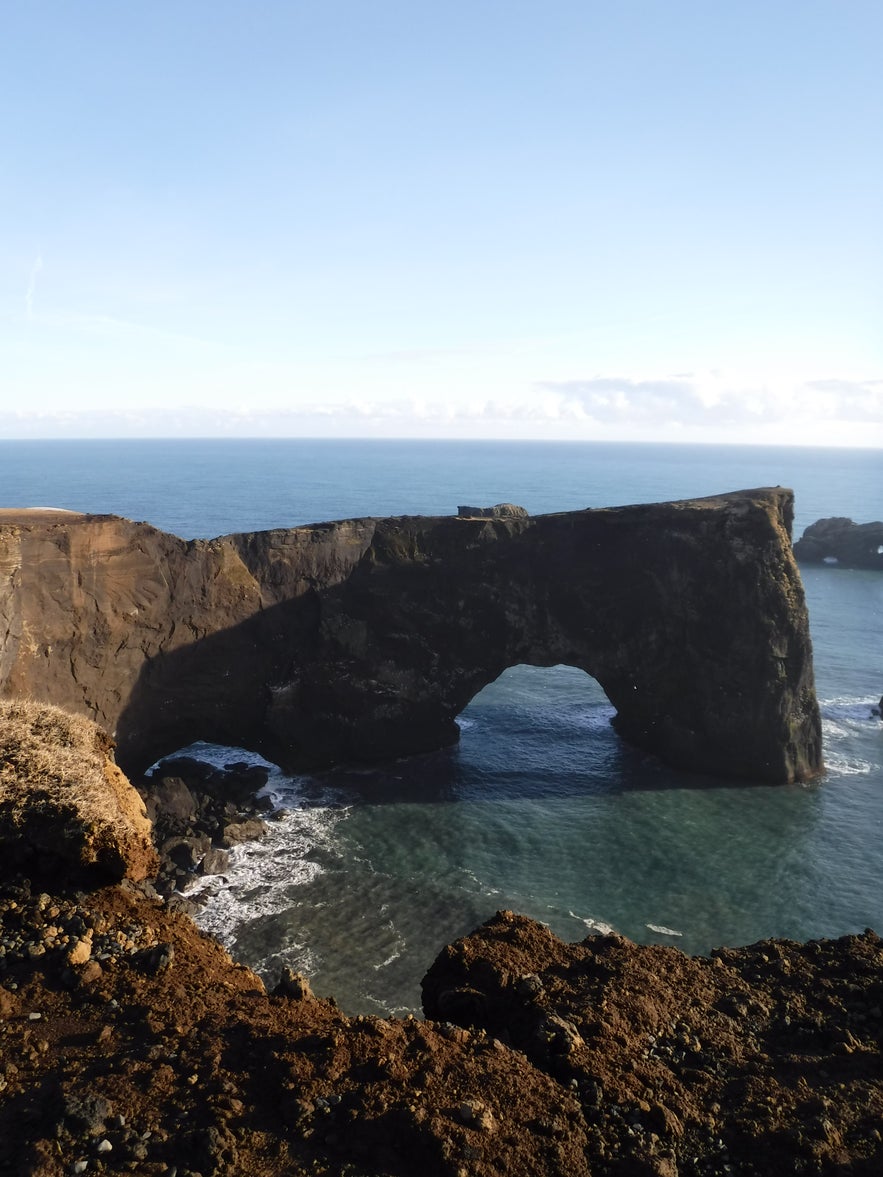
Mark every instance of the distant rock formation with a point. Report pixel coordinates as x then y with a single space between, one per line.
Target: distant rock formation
364 639
500 511
840 541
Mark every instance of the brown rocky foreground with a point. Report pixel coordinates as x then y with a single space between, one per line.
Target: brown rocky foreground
131 1043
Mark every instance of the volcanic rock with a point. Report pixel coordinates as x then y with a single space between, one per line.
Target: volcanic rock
364 639
757 1060
568 1060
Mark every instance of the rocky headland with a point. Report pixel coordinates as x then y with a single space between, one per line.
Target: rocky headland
364 639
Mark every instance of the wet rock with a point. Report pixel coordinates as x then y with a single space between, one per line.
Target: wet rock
243 831
186 852
214 862
171 800
184 906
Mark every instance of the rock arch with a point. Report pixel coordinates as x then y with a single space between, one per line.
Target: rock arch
364 639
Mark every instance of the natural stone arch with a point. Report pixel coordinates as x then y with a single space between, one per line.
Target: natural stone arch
690 616
363 640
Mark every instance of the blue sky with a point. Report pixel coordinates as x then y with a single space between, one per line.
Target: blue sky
648 220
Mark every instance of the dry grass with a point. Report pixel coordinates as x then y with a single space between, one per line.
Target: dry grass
43 748
62 800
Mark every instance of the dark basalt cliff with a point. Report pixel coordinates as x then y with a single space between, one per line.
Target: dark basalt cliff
364 639
840 541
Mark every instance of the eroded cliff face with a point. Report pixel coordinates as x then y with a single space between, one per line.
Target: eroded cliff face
364 639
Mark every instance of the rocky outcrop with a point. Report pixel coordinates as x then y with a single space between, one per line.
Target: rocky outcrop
840 541
200 811
65 807
500 511
763 1059
131 1043
364 639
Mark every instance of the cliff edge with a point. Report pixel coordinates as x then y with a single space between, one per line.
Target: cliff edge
66 810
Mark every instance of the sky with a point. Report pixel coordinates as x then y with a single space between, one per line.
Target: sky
649 220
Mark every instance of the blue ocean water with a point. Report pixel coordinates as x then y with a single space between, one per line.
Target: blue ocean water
540 808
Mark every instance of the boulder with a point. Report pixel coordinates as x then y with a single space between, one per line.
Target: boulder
170 800
243 831
215 862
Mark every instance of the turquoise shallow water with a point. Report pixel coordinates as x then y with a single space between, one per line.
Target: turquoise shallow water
540 808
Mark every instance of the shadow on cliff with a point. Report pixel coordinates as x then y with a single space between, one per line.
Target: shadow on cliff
217 688
223 688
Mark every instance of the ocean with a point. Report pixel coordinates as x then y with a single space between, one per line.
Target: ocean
365 874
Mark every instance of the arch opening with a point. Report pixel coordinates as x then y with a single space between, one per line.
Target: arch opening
554 720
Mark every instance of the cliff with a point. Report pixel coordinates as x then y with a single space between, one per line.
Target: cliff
364 639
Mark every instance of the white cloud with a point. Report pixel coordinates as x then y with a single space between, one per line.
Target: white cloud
718 400
698 406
